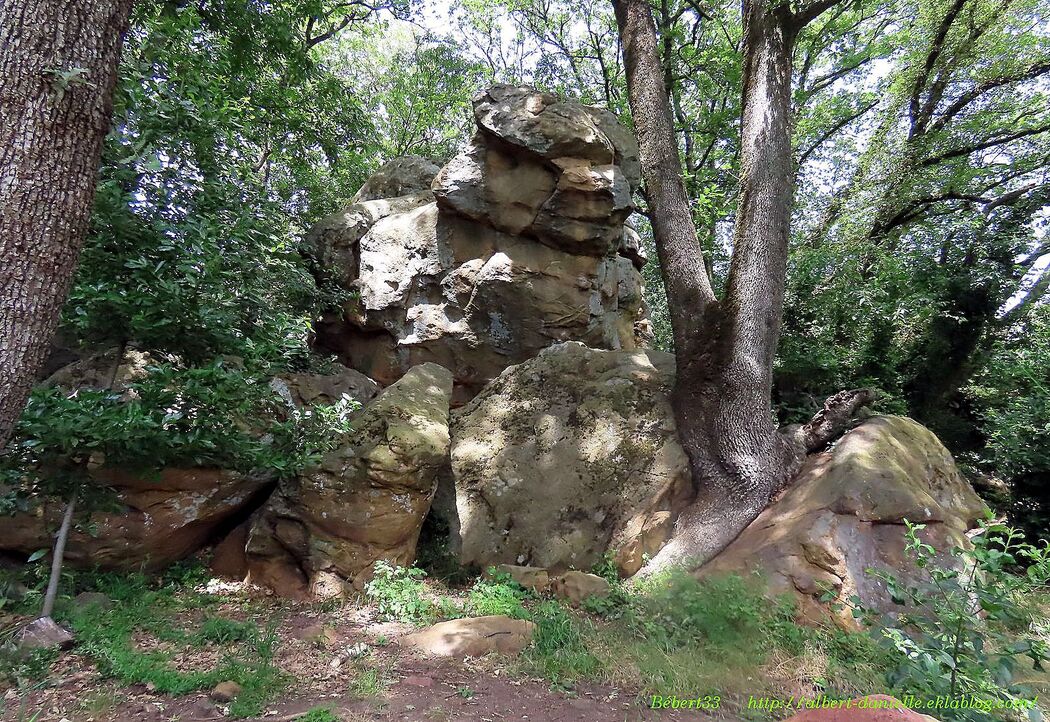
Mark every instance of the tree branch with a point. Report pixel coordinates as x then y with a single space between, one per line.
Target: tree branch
835 129
831 421
811 12
984 145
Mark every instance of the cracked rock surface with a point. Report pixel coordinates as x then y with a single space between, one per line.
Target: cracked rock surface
517 243
365 501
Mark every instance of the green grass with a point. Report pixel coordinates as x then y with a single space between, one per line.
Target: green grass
217 630
679 635
318 714
142 607
368 682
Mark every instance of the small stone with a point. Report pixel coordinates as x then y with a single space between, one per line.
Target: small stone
473 637
225 691
575 587
358 650
534 578
319 635
85 600
44 633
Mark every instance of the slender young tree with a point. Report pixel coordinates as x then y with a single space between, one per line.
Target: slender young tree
725 346
58 61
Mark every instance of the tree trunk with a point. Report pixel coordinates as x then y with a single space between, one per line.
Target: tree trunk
58 61
689 292
57 557
724 350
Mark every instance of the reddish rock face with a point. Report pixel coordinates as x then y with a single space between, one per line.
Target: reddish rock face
228 558
160 518
843 514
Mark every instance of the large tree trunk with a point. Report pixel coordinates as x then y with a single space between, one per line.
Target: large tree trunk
725 349
58 61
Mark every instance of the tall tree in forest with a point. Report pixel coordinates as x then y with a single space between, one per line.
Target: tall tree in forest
725 346
59 65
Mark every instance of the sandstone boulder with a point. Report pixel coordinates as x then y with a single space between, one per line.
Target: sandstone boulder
303 390
103 370
333 242
367 499
156 518
402 176
566 457
534 578
575 587
473 637
844 514
524 247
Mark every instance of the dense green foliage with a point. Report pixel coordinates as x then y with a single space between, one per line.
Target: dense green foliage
918 266
919 254
972 631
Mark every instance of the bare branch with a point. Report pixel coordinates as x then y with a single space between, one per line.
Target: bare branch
831 421
835 129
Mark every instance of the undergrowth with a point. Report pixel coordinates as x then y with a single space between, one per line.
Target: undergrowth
167 613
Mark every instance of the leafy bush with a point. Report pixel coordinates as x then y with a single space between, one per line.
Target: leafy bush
399 594
499 594
216 415
969 630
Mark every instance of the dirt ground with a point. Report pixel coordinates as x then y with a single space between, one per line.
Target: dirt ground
325 654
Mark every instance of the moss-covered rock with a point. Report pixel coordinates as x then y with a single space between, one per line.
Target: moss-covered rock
366 501
844 513
566 457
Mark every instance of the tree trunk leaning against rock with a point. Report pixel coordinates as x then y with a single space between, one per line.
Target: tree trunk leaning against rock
59 64
725 347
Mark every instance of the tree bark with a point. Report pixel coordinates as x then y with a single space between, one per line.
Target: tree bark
57 557
724 349
58 61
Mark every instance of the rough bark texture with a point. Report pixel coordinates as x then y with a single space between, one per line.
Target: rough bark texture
58 61
724 349
688 288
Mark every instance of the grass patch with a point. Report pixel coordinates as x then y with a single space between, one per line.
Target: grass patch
318 714
677 635
368 682
143 610
217 630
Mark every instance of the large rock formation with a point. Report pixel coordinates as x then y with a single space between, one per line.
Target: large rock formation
525 246
567 456
156 518
844 513
574 454
367 499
